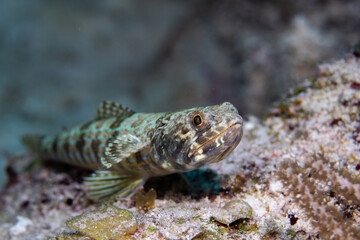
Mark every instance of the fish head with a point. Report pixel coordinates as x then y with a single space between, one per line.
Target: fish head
192 138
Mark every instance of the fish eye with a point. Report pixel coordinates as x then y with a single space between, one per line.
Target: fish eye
197 120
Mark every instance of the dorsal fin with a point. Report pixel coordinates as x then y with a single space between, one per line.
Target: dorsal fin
108 109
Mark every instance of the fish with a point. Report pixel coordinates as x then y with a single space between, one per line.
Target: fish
125 148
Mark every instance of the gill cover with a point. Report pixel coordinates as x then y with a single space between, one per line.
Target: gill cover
194 137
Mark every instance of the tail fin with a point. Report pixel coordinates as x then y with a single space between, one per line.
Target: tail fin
32 142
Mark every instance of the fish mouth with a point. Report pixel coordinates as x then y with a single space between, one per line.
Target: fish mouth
231 145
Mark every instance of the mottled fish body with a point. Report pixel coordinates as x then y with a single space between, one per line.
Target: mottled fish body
86 145
126 148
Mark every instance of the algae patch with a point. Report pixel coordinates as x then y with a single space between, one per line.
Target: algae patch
107 222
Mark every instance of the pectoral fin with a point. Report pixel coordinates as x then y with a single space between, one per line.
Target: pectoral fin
121 148
109 109
103 184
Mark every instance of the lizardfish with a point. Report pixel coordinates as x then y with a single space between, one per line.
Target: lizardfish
127 148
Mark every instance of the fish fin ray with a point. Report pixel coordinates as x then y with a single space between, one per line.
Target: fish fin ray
108 109
102 184
120 148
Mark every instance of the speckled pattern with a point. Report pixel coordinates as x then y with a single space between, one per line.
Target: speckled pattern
130 147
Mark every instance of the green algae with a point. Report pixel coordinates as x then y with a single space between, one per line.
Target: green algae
152 228
244 227
180 220
299 89
222 230
107 222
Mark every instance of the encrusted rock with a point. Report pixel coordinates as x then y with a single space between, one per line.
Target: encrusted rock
107 222
232 211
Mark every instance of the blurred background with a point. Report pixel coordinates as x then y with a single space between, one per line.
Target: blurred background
60 59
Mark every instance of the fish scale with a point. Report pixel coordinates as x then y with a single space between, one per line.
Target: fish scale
126 148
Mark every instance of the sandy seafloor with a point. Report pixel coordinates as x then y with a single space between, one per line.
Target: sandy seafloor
295 175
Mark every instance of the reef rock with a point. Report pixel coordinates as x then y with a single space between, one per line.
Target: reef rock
295 175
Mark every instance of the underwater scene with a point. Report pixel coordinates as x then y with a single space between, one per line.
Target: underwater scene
188 120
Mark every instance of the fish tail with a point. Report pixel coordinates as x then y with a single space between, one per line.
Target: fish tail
32 142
